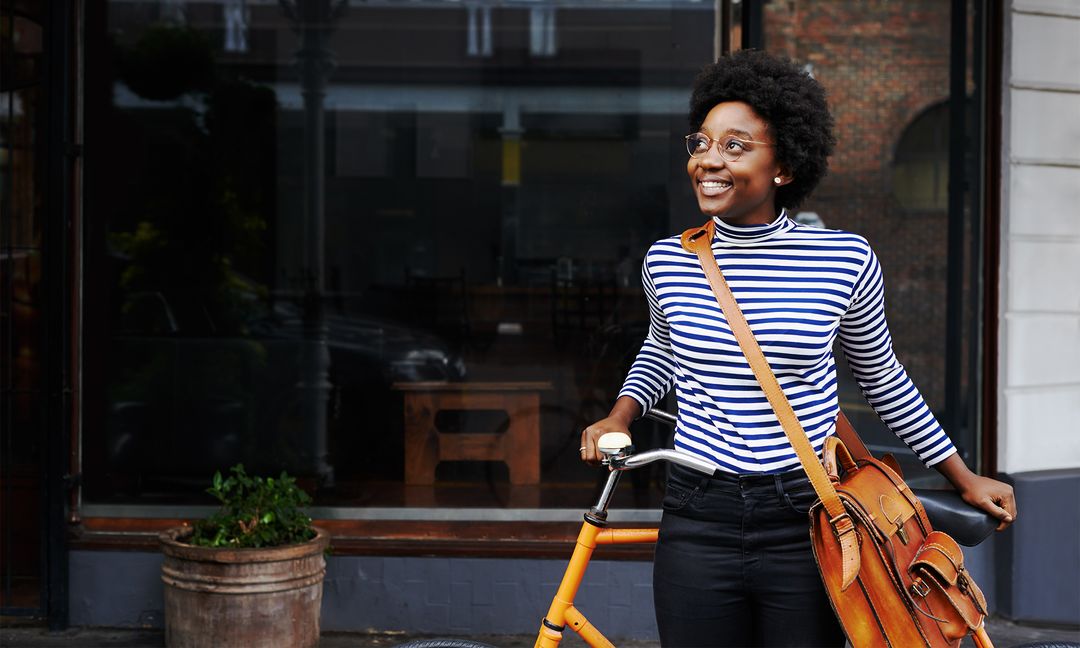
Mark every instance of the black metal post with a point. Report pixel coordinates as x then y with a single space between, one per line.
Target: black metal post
753 24
722 28
958 185
991 29
314 22
974 327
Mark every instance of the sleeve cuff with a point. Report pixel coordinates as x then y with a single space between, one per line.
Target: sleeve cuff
645 406
931 462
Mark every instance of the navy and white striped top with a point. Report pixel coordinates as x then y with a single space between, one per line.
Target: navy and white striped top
799 287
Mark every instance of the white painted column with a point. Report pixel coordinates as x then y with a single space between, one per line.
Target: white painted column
1039 359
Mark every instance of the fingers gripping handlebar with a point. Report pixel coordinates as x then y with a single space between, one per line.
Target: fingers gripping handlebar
618 455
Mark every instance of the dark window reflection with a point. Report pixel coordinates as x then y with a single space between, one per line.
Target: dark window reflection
486 180
296 221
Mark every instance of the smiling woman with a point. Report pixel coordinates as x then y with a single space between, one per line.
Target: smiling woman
800 289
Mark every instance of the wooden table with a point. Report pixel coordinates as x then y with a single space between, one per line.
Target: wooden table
518 447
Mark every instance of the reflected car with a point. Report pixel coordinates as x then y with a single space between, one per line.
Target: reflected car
400 353
182 406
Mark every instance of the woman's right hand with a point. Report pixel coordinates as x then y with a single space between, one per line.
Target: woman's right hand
624 412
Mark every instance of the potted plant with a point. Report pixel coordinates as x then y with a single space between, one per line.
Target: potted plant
249 575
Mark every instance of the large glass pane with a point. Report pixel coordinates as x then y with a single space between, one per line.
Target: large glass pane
22 302
393 248
886 67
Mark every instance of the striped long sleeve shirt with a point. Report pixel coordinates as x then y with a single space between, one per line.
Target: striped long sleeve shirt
799 288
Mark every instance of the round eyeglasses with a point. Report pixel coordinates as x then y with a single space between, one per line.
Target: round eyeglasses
729 146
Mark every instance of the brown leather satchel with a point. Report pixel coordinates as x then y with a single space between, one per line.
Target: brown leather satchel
891 578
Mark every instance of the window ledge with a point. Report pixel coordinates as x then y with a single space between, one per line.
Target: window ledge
514 539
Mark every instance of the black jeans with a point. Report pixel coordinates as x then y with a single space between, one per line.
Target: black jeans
734 565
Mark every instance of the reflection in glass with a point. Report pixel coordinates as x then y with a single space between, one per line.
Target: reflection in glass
889 181
303 212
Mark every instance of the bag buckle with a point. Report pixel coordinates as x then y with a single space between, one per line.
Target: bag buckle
842 520
962 580
919 588
898 522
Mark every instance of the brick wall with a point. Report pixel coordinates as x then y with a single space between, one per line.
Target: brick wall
883 64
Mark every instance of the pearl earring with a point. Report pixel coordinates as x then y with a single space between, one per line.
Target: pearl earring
777 180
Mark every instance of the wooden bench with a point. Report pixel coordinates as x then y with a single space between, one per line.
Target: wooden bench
518 447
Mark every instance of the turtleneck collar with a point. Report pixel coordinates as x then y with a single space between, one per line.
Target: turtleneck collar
748 234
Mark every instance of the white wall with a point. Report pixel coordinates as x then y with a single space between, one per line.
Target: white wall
1039 344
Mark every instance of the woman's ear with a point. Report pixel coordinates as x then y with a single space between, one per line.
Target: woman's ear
782 178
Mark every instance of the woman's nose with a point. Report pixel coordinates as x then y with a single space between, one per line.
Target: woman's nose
712 158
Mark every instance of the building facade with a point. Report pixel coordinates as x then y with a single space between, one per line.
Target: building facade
278 233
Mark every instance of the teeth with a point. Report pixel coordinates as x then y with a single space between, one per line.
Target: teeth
714 184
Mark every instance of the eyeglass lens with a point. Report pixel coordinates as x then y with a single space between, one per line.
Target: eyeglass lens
730 147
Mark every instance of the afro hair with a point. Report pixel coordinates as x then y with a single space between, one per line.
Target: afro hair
790 101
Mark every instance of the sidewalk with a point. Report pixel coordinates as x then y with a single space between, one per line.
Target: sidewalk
1004 634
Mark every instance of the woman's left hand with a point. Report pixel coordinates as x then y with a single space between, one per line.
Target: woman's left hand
990 495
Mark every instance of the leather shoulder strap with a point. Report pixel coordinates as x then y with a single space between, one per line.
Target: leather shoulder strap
850 437
699 241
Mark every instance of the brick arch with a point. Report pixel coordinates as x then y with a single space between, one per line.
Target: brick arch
916 177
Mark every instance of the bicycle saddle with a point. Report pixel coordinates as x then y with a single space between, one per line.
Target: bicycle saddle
948 512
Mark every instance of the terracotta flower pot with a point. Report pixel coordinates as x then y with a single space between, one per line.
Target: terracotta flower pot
242 597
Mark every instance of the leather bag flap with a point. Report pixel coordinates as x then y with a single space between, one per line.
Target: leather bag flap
940 563
879 497
940 557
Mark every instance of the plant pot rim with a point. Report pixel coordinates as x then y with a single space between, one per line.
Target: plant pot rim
171 546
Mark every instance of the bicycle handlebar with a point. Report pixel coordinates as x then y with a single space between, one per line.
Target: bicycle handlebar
685 459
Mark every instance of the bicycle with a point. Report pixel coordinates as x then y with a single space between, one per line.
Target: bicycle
562 615
945 509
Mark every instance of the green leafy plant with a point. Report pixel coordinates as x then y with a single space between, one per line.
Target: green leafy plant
255 512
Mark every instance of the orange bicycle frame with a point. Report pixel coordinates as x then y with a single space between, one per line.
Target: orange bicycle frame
562 613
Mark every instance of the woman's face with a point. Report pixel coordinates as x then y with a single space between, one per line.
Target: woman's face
742 192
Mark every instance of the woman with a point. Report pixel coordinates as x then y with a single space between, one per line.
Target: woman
733 564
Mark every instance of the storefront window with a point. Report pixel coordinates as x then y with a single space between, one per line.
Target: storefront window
394 248
321 230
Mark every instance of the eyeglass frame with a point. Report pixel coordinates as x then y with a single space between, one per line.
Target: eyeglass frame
714 142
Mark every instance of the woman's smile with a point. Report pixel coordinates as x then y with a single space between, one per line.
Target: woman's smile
712 187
